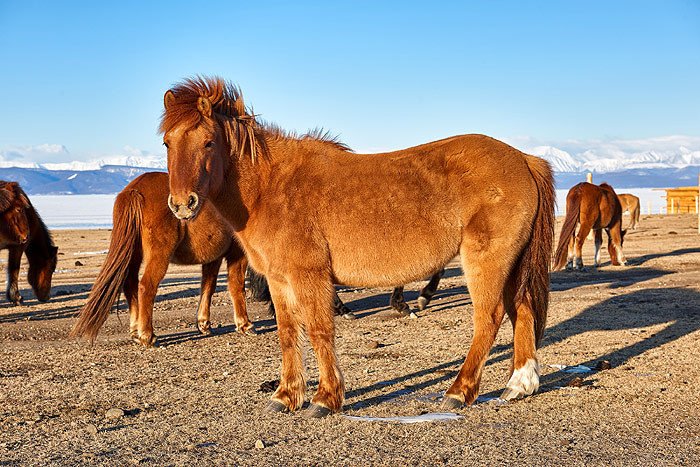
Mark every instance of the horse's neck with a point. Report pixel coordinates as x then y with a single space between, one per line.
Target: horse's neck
246 181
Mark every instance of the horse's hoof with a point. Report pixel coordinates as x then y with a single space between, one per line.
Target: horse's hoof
509 394
316 411
247 330
148 342
349 315
276 407
523 382
422 303
204 328
451 403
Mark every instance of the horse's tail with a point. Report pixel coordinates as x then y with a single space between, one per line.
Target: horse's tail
532 281
126 237
573 209
259 290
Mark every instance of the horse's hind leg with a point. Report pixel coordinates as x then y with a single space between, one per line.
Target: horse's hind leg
210 271
131 293
579 238
236 266
397 302
486 278
427 292
598 245
13 263
570 259
525 371
153 273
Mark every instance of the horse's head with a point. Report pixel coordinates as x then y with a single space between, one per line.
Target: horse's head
14 227
41 272
203 124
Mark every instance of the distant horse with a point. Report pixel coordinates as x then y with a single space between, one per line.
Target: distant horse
592 207
23 232
310 214
630 203
146 231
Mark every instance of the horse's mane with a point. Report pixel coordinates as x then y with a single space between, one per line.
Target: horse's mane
9 195
318 134
238 121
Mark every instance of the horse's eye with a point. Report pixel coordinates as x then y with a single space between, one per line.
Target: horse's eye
210 144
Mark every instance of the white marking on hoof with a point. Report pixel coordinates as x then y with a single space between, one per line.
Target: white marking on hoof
525 381
422 303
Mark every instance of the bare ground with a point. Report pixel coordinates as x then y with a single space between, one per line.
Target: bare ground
199 400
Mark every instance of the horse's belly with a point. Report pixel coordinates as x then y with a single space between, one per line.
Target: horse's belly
387 260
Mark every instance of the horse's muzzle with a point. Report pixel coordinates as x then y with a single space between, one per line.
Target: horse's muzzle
184 209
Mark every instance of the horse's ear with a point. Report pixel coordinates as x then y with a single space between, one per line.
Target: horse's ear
204 106
168 99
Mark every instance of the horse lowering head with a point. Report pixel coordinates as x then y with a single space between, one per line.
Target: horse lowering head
41 271
14 227
204 122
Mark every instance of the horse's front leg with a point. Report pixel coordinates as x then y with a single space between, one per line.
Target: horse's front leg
13 264
289 395
315 298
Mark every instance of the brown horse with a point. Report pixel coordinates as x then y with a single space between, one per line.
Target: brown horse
630 203
310 214
146 231
592 207
23 232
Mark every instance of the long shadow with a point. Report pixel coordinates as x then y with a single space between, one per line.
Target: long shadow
261 327
639 260
616 278
678 308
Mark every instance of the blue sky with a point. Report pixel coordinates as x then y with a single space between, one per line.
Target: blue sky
383 75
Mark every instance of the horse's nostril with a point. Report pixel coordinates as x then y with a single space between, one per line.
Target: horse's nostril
192 201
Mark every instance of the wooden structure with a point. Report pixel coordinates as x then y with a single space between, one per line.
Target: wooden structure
682 199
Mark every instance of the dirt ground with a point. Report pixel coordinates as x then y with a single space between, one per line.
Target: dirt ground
199 401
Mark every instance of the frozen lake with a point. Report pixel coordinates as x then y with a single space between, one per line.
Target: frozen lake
95 211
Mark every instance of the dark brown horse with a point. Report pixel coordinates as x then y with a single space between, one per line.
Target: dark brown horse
309 214
590 207
146 231
23 232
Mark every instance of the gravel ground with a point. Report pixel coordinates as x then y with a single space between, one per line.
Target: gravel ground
199 401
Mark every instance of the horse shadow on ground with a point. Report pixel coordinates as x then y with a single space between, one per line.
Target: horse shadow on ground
639 260
677 308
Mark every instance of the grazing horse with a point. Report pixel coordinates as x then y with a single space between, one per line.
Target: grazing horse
591 207
630 203
146 231
310 214
23 232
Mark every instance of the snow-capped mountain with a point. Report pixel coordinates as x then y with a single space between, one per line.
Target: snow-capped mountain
655 162
671 152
